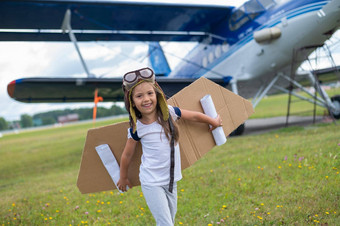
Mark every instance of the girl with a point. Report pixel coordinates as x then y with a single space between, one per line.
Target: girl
151 121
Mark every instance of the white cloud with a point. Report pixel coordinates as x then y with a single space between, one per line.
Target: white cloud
175 51
40 59
94 51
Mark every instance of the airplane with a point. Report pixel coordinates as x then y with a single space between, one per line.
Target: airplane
255 49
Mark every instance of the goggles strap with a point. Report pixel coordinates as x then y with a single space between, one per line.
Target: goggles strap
172 155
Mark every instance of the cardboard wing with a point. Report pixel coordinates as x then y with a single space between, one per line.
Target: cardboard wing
195 138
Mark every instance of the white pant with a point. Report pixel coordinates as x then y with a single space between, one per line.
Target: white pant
162 203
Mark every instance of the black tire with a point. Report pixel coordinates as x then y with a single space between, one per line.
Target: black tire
239 131
336 101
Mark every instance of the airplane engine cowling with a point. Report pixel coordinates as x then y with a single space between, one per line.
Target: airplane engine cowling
267 34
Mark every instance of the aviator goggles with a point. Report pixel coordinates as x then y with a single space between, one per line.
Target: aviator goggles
131 78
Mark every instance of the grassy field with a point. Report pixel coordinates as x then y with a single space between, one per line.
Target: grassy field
288 176
276 105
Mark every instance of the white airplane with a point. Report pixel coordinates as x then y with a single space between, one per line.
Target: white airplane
254 49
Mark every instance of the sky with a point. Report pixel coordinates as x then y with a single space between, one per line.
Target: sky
52 59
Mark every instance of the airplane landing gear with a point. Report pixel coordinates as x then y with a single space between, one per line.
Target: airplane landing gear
336 102
239 131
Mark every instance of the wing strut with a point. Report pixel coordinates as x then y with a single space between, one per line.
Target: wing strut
322 101
66 27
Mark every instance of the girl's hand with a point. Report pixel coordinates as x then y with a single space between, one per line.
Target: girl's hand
122 183
196 116
217 123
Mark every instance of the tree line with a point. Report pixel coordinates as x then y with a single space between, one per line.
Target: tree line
51 117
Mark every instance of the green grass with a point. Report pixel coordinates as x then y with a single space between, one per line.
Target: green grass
276 105
247 181
289 176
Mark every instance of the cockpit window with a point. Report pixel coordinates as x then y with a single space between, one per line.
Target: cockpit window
267 3
253 7
238 18
238 14
248 11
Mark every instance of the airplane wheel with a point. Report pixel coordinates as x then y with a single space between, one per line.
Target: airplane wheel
336 102
239 131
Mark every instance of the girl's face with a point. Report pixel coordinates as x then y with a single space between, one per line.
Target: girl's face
145 98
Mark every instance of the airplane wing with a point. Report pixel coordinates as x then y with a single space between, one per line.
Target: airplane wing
54 90
91 20
107 20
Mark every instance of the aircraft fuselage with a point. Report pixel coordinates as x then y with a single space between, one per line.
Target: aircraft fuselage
300 24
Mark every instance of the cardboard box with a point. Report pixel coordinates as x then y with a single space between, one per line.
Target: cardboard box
195 138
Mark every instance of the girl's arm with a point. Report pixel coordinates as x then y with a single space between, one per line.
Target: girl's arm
125 160
196 116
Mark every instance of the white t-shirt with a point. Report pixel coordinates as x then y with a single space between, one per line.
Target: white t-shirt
155 165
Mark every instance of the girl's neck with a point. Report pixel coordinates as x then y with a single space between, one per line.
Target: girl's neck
148 119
